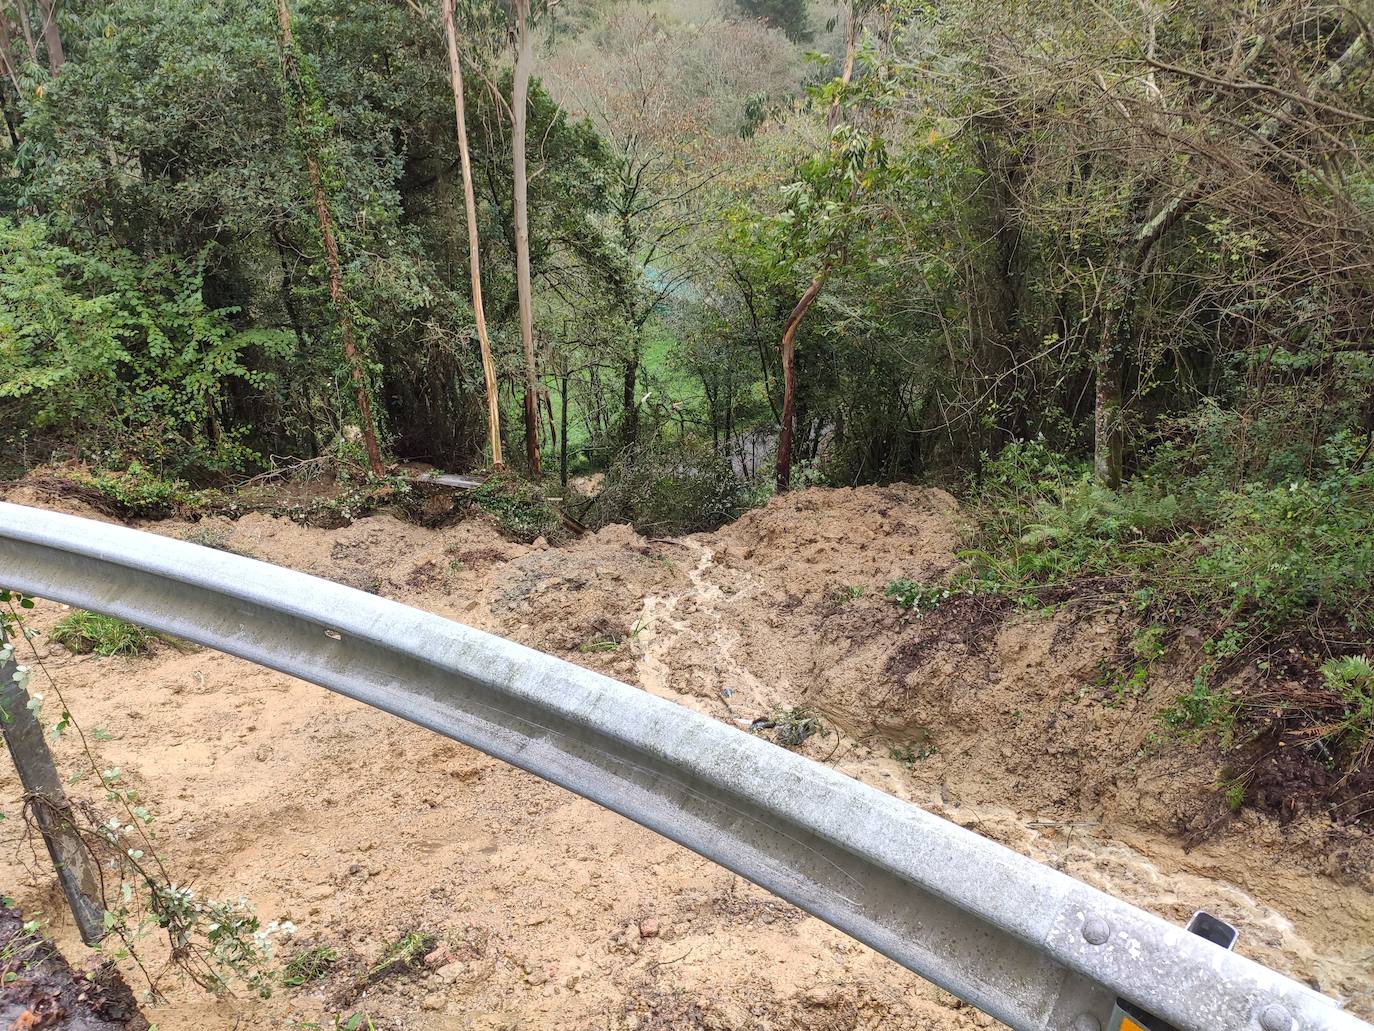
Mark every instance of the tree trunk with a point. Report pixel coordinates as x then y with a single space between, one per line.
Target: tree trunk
52 39
524 60
331 246
789 333
629 387
833 118
22 6
563 425
1107 429
474 258
7 58
789 385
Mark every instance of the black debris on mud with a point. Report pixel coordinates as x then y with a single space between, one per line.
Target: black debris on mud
42 991
1289 782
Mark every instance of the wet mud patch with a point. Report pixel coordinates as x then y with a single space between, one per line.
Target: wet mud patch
42 991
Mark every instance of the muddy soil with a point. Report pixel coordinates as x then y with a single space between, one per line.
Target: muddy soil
40 990
553 913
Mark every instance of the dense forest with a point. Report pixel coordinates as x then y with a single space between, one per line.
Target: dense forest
1078 298
1105 269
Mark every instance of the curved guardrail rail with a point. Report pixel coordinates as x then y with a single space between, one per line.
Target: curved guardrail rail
1031 946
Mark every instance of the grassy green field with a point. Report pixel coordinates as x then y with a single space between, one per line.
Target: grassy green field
660 371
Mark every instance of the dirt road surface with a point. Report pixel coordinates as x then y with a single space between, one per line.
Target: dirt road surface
556 914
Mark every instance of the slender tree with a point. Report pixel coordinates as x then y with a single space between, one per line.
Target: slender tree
52 38
788 347
474 256
300 113
7 57
524 63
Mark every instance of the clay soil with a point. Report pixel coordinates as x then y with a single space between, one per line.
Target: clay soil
552 913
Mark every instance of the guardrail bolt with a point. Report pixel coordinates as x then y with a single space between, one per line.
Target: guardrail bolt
1096 932
1275 1018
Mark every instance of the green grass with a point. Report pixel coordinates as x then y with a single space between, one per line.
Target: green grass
309 964
405 953
84 632
659 370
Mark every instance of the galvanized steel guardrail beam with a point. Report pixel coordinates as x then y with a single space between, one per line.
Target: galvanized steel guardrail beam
1031 946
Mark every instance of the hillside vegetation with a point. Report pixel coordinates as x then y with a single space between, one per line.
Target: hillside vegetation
1104 271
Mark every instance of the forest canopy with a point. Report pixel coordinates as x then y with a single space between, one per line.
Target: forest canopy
1112 261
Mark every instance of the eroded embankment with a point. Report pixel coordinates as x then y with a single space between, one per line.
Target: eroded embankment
359 827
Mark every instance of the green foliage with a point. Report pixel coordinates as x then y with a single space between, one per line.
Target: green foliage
1233 791
83 632
403 954
1204 708
788 15
667 489
1258 560
917 597
307 965
1351 680
123 353
137 491
843 594
519 507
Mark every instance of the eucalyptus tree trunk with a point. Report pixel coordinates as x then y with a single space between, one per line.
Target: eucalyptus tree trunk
7 58
296 87
524 61
52 38
26 29
474 258
788 347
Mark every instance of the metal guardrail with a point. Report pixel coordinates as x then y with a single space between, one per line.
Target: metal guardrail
1031 946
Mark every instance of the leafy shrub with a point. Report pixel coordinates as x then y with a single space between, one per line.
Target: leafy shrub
519 508
1291 553
84 632
1351 679
1262 560
917 597
137 491
121 355
667 490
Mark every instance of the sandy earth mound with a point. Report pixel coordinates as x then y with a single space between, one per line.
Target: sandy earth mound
556 914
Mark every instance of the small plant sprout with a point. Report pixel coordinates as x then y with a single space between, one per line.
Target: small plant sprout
917 597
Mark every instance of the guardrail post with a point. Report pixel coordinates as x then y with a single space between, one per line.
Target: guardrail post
77 870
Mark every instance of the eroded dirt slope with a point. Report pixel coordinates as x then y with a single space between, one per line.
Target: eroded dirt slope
359 827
